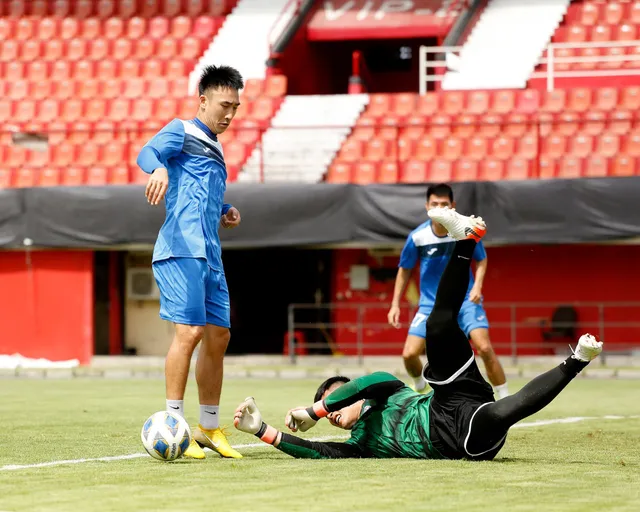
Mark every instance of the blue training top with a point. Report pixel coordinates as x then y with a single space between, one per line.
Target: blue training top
434 253
193 157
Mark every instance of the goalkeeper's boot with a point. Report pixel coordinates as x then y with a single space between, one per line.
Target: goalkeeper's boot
459 226
215 439
588 348
194 451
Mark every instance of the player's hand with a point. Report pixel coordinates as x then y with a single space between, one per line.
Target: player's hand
299 419
247 417
475 295
157 186
393 316
231 219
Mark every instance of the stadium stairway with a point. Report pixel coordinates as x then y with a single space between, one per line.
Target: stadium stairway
505 45
254 18
304 137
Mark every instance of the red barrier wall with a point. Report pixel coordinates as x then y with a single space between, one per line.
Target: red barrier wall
550 274
46 304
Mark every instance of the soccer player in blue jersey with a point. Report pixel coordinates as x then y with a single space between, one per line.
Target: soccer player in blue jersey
186 163
430 245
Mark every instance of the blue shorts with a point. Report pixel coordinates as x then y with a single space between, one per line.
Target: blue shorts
472 316
191 293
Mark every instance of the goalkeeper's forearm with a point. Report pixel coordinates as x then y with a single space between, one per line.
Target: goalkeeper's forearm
377 386
303 449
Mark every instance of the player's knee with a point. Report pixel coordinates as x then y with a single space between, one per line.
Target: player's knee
484 348
188 336
410 352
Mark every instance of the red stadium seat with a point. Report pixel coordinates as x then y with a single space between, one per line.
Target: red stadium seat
491 170
547 168
253 88
579 99
613 13
97 175
554 146
25 178
554 101
516 125
600 33
453 103
503 102
596 167
167 49
339 172
204 27
113 28
490 126
14 71
624 165
136 28
377 150
83 70
144 48
606 98
570 167
41 90
428 104
634 13
593 123
426 149
567 124
388 172
439 127
477 148
404 104
626 33
632 144
630 99
620 122
158 27
113 155
49 177
477 102
18 90
581 146
440 171
121 49
379 105
589 14
88 154
180 27
414 172
466 170
5 178
90 29
528 147
190 48
23 29
576 34
351 151
276 86
364 173
608 146
503 148
52 50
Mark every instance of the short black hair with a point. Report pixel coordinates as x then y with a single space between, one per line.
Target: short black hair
214 77
440 190
327 384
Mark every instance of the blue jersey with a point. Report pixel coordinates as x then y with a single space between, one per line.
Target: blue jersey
193 157
433 252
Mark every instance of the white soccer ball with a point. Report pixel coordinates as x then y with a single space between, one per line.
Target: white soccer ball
165 435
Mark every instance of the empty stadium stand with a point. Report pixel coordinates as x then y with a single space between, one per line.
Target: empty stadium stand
493 135
99 78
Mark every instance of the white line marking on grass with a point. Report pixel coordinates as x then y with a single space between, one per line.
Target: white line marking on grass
538 423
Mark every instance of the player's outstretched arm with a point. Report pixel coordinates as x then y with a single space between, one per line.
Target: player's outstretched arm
376 386
248 419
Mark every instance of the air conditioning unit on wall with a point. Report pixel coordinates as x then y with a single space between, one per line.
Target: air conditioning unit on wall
141 284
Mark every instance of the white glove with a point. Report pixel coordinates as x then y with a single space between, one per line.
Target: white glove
299 419
247 417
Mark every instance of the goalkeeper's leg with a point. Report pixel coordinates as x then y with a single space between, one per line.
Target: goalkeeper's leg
491 421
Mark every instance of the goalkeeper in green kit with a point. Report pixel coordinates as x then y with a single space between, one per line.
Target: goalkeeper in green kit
459 419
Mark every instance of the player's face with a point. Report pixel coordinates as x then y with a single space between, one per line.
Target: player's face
346 417
218 107
439 201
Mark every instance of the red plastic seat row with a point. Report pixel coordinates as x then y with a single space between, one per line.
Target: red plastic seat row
119 109
133 88
452 103
44 29
450 149
100 48
83 9
589 167
107 69
593 122
609 12
70 176
576 33
437 170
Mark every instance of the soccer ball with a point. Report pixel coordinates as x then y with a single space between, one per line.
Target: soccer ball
165 435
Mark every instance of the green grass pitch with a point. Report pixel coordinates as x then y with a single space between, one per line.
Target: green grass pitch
587 465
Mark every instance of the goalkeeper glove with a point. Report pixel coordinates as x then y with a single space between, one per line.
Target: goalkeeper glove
304 418
247 418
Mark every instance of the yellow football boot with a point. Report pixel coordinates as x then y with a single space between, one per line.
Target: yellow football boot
194 451
215 439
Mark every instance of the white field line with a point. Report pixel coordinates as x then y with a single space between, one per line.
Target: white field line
538 423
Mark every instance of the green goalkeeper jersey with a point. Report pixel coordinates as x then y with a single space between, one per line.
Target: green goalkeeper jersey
394 423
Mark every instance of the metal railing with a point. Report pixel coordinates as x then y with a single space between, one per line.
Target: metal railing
516 328
441 58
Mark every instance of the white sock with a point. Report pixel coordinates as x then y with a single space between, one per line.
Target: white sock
209 416
176 406
502 390
419 383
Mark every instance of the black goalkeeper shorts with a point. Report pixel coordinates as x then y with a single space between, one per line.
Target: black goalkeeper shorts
454 403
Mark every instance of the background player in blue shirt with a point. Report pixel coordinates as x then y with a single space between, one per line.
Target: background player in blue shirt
430 245
186 162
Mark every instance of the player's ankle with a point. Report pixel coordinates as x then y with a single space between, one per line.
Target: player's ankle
419 383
